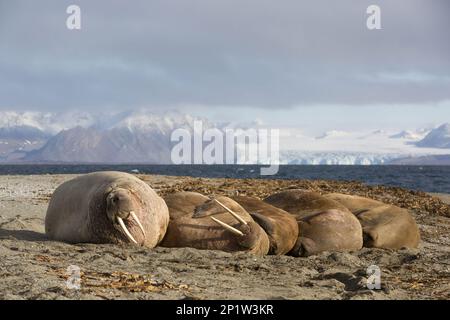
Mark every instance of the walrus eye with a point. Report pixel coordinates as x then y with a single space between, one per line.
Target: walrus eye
115 199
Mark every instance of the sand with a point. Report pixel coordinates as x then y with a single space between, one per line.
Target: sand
32 267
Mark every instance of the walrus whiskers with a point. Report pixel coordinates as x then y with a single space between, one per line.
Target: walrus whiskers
228 227
124 228
239 218
134 216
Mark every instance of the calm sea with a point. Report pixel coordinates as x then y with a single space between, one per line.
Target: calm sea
427 178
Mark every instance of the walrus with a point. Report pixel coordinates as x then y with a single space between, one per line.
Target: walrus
220 224
384 226
324 224
355 204
280 226
302 203
106 207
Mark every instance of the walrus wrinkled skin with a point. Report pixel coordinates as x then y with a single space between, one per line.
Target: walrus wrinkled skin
384 226
324 224
193 223
280 226
102 207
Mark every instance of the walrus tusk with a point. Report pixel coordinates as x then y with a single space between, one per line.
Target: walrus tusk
137 221
124 228
239 218
228 227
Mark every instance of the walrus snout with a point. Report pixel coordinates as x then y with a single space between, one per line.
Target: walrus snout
120 206
119 203
251 234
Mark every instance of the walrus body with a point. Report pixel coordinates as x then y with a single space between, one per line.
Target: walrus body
355 204
280 226
106 207
324 224
193 223
384 226
302 203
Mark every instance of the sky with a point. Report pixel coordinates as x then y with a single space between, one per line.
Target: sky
311 64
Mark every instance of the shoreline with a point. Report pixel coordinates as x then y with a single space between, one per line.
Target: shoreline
444 197
32 267
427 178
431 202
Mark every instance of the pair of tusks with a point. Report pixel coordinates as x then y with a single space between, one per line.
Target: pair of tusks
125 229
235 215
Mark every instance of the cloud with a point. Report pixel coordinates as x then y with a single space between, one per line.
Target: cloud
408 77
257 53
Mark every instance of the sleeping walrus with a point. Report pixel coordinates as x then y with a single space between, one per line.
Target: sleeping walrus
384 226
106 207
324 224
280 226
220 224
302 203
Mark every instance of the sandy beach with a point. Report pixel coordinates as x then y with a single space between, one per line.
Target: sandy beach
32 267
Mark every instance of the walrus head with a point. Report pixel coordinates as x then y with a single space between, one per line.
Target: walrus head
120 206
249 234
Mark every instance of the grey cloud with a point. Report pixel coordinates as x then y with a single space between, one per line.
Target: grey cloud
260 53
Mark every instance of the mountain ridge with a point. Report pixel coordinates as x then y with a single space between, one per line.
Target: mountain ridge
437 138
144 137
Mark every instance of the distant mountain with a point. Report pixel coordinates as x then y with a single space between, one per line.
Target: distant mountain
115 145
22 132
134 138
433 160
407 134
144 137
49 123
77 145
15 141
437 138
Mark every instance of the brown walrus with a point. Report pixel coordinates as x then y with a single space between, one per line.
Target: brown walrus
384 226
280 226
220 224
324 224
302 203
106 207
355 204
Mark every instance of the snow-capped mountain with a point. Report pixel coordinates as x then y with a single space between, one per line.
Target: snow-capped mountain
163 123
20 133
116 145
437 138
409 135
49 123
354 147
144 137
131 137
